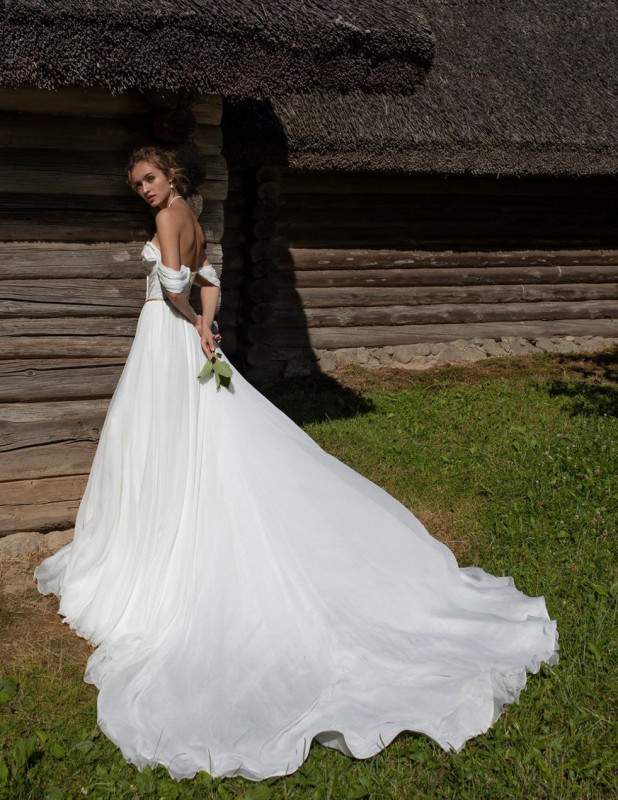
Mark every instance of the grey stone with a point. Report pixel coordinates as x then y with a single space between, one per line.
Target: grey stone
493 348
327 362
403 353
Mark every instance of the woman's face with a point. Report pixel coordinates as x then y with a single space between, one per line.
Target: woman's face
151 183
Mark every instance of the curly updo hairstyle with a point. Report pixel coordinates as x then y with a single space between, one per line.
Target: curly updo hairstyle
165 161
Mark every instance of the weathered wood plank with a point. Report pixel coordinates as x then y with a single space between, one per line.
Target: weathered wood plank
465 276
448 313
382 335
71 260
362 258
72 295
82 172
50 132
27 425
343 297
337 183
42 517
74 102
68 346
59 379
40 505
69 326
72 458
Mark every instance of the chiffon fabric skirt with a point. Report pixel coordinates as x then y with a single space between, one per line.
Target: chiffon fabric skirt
247 592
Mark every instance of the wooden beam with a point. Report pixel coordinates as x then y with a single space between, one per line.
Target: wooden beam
465 276
28 425
382 335
346 297
59 379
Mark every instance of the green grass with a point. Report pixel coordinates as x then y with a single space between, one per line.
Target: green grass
511 462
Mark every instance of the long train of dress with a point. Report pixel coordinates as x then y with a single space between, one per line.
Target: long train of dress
248 592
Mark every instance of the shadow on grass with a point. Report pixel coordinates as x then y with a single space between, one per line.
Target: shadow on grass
316 398
593 387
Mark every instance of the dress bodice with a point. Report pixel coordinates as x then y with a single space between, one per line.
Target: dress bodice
162 279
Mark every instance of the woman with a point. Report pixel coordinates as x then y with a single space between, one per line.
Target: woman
247 591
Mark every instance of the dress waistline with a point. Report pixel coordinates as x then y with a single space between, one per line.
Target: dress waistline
158 298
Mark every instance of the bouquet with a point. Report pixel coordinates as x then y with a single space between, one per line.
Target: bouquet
221 369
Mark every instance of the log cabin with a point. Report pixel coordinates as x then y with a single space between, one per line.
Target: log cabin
388 175
481 208
80 87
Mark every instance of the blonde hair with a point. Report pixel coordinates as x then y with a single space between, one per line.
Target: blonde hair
165 161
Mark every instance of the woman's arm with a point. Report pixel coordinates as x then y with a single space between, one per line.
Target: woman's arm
209 295
169 239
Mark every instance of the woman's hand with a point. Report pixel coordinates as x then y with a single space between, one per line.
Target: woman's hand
199 324
209 340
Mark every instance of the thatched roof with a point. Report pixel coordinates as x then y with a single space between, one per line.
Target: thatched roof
241 48
516 87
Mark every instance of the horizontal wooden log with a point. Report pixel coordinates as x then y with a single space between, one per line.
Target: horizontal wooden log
27 425
468 276
72 458
15 347
380 336
69 326
344 297
73 102
456 235
42 517
83 172
40 505
265 228
448 313
356 258
79 226
59 379
102 260
50 297
342 184
51 132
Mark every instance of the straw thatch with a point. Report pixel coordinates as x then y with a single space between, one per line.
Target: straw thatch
516 87
241 48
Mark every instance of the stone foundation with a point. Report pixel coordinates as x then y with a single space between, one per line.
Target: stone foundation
430 354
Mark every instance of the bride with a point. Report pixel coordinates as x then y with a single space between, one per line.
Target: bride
247 592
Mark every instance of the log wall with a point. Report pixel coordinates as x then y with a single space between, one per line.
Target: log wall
365 261
71 279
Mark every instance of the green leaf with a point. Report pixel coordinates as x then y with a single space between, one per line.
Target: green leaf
223 368
206 369
217 379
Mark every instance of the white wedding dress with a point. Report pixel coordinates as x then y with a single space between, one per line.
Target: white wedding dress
248 592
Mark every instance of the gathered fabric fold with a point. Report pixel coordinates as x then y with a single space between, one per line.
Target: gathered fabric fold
174 280
208 273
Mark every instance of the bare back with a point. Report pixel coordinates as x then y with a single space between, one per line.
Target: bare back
191 237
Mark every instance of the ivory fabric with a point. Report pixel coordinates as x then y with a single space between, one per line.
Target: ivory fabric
248 593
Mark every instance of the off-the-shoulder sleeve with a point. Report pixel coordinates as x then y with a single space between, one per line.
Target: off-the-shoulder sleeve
173 280
208 272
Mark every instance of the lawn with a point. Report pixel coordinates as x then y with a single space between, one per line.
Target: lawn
512 463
